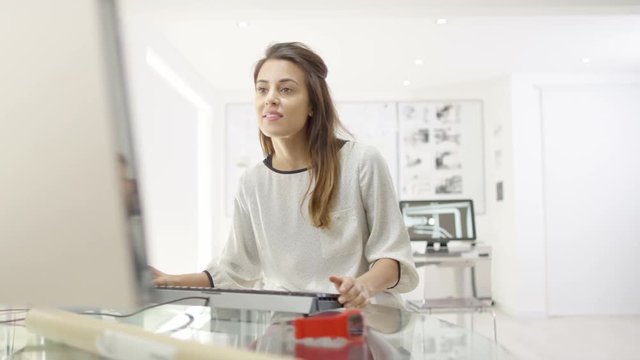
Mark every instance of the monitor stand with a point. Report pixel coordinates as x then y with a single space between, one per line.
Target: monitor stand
433 248
436 247
441 249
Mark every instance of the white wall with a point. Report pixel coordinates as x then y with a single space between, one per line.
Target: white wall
592 198
499 220
532 271
173 129
528 266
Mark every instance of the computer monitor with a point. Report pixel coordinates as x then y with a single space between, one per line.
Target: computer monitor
70 220
439 221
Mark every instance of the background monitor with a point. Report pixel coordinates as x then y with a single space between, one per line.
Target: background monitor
439 221
70 223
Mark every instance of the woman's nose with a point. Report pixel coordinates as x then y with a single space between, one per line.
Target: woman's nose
271 99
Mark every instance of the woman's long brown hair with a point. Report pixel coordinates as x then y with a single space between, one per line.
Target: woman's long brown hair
321 129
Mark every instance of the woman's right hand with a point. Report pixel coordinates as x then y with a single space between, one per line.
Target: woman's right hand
162 279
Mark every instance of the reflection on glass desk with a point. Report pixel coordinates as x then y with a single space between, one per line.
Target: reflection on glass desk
391 333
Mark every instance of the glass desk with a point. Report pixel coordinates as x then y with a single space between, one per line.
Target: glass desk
391 333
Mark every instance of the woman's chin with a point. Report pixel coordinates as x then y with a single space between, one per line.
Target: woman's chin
279 133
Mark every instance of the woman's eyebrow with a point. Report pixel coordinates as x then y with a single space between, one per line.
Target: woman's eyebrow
287 79
280 81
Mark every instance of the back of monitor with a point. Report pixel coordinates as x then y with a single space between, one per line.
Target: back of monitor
65 234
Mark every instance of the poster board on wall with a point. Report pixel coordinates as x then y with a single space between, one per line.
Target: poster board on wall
440 151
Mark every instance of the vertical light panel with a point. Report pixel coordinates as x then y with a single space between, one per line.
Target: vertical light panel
592 198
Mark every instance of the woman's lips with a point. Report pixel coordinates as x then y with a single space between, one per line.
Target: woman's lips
272 116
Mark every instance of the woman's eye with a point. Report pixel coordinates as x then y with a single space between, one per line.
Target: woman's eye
261 90
286 90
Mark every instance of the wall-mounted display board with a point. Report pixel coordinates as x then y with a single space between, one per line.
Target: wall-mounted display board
440 151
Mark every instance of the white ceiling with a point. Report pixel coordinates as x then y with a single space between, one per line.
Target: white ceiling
372 45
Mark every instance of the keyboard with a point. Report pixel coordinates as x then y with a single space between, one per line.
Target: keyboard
246 299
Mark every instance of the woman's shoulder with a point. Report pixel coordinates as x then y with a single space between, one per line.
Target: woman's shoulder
253 173
361 152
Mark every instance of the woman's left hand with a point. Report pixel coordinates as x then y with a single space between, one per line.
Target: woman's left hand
353 292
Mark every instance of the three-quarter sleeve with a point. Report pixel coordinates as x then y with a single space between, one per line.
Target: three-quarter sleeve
388 236
239 265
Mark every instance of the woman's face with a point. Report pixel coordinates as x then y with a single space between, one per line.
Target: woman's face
282 100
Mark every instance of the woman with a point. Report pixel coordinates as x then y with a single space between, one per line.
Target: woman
319 212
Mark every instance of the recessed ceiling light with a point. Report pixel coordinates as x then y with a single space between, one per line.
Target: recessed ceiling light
585 60
406 83
242 24
418 61
441 21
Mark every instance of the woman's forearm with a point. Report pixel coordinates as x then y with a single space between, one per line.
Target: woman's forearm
195 279
383 274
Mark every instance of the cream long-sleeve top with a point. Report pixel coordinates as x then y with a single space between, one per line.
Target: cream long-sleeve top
273 244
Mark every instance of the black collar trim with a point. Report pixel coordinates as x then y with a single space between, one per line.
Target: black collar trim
268 163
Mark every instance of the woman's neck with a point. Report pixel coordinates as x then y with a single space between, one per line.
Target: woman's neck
290 154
